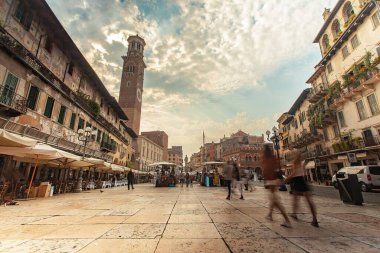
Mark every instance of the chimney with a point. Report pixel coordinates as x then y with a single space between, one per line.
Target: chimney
326 14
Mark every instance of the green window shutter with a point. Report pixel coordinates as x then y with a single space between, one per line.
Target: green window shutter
49 107
32 97
72 120
62 114
8 90
20 11
81 123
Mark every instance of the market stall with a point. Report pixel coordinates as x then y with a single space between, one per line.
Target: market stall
166 175
212 174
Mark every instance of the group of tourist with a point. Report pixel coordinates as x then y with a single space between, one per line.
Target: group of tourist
273 180
186 178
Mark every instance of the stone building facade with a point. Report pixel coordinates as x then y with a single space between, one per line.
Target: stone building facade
148 152
175 154
345 88
48 89
161 139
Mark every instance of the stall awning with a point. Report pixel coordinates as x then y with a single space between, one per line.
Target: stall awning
161 163
310 165
8 139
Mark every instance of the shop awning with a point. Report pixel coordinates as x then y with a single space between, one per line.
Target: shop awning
310 165
161 163
8 139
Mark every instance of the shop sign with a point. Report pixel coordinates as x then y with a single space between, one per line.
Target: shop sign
352 157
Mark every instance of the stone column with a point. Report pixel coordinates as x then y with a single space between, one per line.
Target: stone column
78 187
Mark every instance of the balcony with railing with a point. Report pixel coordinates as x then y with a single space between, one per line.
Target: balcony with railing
108 147
11 103
318 92
355 143
307 138
52 140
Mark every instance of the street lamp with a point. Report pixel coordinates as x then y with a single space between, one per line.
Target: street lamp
84 136
275 138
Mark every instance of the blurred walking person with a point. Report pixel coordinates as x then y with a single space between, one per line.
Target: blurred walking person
251 185
270 165
187 177
228 177
130 177
237 176
301 188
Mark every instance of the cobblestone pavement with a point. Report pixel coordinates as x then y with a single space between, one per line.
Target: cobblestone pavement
179 219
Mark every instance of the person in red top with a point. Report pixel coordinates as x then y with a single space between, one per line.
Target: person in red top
270 165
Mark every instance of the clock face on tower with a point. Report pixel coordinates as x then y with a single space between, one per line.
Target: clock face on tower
139 95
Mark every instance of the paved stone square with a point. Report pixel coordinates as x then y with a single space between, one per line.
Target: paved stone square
198 219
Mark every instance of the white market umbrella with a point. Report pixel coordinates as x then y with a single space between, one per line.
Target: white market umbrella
8 139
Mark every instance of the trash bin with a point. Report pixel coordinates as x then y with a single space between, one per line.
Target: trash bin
350 191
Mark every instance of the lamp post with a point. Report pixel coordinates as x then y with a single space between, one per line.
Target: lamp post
84 136
275 138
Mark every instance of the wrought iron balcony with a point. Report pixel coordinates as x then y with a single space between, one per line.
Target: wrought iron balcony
317 93
52 140
11 103
108 147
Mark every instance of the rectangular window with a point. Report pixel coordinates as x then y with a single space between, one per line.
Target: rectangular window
361 110
72 120
24 15
341 120
81 123
355 42
70 69
376 19
345 52
329 68
32 97
9 89
62 115
374 107
49 107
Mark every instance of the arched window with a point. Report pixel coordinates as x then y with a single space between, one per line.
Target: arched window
325 42
336 31
348 11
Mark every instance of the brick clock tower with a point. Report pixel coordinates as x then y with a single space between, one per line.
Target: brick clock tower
132 82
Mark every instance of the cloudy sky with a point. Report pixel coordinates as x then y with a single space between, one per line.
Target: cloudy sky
212 65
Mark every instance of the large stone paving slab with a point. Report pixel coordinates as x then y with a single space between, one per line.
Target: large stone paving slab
50 246
231 217
193 231
191 245
90 231
245 231
137 231
121 245
334 244
151 218
270 245
62 220
25 232
189 218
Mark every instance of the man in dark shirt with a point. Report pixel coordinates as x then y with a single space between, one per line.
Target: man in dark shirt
130 177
